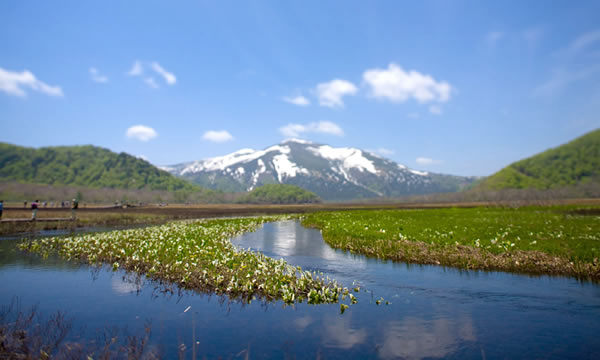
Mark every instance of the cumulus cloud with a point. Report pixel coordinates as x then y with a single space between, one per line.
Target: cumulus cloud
396 85
141 132
217 136
424 161
139 69
169 77
384 151
435 110
297 100
330 94
321 127
15 83
95 74
136 69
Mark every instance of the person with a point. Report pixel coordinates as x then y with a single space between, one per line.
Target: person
74 206
1 207
24 204
34 208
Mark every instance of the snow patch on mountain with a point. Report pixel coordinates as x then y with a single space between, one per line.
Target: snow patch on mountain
284 167
261 169
352 158
417 172
224 162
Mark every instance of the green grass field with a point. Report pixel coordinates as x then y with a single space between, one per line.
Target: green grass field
552 240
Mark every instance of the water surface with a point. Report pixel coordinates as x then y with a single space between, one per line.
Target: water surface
435 312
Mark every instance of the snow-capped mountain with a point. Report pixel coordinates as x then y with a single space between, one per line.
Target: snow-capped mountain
332 173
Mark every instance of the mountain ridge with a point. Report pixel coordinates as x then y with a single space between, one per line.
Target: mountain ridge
85 165
342 173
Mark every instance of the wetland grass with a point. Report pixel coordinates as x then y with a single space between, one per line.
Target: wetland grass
196 255
556 240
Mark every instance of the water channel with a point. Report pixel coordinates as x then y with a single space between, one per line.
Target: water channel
435 312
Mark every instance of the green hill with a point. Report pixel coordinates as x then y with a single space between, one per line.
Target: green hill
570 164
88 166
280 194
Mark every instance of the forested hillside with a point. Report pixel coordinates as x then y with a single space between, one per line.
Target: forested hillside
88 166
280 194
570 164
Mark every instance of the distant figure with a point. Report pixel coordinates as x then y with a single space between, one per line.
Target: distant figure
62 204
45 203
34 209
25 204
1 207
74 206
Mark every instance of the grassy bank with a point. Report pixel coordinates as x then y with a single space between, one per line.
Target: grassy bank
196 255
561 240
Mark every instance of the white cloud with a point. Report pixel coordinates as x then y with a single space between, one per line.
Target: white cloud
322 127
330 94
141 132
424 161
143 157
435 110
169 77
493 37
413 115
396 85
95 74
217 136
151 82
13 83
297 100
136 69
384 151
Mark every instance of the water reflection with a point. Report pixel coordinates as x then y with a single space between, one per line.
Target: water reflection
340 333
416 338
435 312
126 284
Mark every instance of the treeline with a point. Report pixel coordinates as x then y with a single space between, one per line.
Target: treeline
268 194
279 194
88 166
574 163
17 192
511 197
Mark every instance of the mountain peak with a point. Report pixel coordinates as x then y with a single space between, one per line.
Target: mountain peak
334 173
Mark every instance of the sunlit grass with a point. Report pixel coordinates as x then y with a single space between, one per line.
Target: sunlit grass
530 239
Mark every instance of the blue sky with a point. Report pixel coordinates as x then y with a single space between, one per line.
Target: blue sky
460 87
